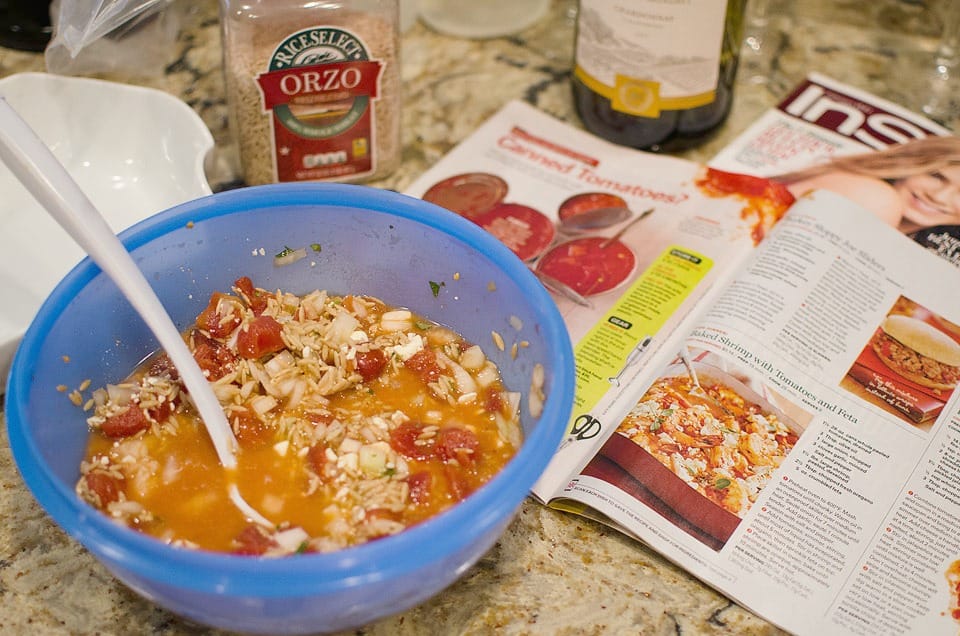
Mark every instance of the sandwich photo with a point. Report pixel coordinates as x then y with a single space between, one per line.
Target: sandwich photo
918 352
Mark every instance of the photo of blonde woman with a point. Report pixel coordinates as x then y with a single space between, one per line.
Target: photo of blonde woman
911 186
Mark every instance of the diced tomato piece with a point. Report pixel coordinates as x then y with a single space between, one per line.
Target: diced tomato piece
214 322
162 411
493 400
457 483
256 299
320 418
126 423
424 363
419 484
457 443
251 432
370 364
253 541
260 337
214 357
403 440
106 487
162 366
317 459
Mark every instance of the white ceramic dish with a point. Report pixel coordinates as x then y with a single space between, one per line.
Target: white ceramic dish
134 151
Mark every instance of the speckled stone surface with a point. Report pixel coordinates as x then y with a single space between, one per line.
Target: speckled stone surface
551 572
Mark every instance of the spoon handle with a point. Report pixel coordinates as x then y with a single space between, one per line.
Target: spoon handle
49 182
626 227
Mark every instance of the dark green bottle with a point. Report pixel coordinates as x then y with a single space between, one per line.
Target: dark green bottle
656 75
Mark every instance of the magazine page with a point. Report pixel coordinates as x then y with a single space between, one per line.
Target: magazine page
828 135
800 450
629 244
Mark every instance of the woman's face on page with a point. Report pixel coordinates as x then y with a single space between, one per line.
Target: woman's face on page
932 199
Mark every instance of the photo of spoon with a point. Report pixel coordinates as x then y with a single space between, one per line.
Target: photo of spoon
626 227
697 390
595 219
554 285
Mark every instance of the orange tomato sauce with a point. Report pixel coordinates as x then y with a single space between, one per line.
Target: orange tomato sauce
406 438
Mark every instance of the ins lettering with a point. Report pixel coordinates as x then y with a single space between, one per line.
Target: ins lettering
877 129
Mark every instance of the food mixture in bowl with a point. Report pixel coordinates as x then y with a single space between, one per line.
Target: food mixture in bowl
354 420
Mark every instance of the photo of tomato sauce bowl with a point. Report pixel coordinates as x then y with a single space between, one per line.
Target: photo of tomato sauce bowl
222 260
575 256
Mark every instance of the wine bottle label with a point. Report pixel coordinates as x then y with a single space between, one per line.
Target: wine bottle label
650 55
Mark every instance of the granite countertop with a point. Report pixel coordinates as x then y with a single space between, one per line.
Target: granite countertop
551 572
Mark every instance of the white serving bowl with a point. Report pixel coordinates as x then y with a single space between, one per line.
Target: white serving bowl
134 151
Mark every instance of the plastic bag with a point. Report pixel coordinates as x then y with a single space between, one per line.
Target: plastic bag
130 37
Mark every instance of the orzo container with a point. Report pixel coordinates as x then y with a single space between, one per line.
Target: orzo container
313 88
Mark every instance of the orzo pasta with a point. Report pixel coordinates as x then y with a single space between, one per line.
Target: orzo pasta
354 421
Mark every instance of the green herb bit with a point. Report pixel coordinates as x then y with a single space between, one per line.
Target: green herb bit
302 548
722 483
315 247
435 288
422 325
286 251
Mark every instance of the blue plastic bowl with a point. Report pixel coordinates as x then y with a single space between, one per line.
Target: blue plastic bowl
372 242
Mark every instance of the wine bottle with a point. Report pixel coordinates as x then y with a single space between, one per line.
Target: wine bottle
656 74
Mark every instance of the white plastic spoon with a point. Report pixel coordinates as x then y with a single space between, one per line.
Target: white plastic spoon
48 181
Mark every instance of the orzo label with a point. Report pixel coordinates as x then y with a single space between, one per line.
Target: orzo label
320 89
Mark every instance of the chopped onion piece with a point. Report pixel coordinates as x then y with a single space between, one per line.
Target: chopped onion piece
100 397
288 256
263 404
261 376
288 386
299 390
373 458
513 401
349 445
535 404
120 394
342 327
536 397
465 382
509 430
397 320
488 374
439 336
473 358
279 363
292 539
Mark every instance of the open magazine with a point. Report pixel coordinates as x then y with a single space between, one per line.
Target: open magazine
765 386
